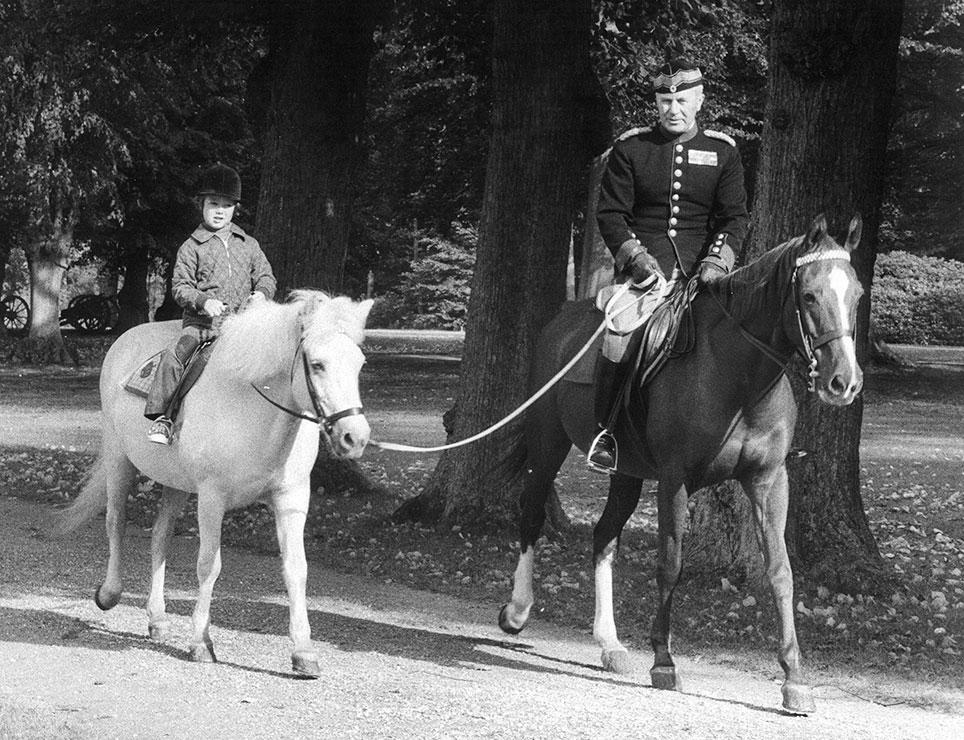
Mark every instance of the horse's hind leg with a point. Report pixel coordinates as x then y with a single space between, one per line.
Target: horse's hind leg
620 504
290 510
172 502
672 498
120 481
210 515
545 455
769 494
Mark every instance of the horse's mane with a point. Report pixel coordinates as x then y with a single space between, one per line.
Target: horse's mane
260 341
761 285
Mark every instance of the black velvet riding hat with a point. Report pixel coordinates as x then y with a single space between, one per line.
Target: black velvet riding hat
677 74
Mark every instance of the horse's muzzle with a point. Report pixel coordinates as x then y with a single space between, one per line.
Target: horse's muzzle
349 436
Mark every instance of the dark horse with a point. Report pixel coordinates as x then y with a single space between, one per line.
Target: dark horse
723 410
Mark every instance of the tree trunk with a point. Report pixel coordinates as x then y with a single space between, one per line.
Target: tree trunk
132 299
543 93
832 79
314 79
47 261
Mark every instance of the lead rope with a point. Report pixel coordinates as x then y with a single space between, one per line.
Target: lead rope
532 399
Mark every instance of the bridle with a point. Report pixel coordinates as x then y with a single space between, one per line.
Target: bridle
808 344
327 421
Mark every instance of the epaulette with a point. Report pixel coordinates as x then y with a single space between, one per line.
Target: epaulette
719 135
634 132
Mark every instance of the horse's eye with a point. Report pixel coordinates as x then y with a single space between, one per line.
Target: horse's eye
809 298
318 366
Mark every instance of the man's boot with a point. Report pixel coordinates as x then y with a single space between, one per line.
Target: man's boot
603 454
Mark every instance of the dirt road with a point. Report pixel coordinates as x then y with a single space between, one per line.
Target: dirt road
397 663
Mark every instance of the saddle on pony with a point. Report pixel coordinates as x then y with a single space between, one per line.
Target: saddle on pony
140 381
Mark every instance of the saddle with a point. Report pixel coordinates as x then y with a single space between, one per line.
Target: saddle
139 382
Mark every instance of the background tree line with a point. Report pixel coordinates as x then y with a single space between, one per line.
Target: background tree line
381 142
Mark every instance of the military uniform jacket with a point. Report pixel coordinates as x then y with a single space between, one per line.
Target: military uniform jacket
227 265
682 197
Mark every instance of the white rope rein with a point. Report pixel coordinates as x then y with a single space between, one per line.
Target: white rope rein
532 399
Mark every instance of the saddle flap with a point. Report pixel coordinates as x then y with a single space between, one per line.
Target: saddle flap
139 381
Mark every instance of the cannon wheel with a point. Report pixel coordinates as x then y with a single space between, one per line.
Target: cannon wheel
89 313
15 313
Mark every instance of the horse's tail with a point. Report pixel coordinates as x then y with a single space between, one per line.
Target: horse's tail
91 501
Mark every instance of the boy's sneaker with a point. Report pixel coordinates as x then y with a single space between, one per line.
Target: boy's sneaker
161 431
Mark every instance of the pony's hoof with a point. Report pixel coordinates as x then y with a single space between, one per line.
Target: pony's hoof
664 677
798 699
203 653
159 631
617 661
506 626
305 664
105 603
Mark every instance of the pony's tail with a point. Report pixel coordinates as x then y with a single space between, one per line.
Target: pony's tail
91 501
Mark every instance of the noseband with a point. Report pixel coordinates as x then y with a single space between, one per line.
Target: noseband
327 421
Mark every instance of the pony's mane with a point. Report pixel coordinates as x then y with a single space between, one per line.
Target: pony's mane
760 285
260 341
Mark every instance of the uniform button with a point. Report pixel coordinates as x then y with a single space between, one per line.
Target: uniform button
671 232
679 147
678 173
679 160
673 222
675 209
675 196
676 186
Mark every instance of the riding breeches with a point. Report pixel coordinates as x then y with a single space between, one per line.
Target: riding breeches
163 398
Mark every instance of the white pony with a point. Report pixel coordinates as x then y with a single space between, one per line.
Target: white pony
247 433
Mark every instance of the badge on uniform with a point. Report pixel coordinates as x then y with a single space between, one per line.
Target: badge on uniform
698 156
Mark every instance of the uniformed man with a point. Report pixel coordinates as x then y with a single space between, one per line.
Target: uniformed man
672 201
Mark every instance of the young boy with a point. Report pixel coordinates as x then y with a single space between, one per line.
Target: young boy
216 271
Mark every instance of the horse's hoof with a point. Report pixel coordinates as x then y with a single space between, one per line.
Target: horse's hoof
664 677
105 604
159 631
798 699
617 661
504 623
203 653
305 664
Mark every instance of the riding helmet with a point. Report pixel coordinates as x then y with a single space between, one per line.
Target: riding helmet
219 179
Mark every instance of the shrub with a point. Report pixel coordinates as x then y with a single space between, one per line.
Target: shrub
918 300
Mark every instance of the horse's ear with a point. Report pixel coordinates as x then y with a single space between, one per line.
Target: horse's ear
364 308
853 235
818 229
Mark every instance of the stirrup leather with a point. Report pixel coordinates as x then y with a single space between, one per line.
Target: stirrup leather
593 448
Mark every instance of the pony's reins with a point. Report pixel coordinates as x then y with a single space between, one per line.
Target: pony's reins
606 323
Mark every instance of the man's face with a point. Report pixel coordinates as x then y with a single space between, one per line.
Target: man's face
677 111
217 211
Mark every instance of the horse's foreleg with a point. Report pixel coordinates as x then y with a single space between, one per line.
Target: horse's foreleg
290 511
172 502
672 522
120 481
210 514
770 495
620 505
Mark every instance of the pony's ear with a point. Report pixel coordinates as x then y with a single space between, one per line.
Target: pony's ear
363 308
818 229
853 235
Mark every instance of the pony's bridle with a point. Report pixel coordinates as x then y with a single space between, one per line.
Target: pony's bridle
327 421
808 344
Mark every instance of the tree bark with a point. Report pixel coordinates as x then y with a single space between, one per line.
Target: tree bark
543 94
47 262
132 299
832 80
314 81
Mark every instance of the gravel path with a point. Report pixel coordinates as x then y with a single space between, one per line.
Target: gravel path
397 663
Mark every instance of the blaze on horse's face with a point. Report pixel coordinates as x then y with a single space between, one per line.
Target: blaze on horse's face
827 294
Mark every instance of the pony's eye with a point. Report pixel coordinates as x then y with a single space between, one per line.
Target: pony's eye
318 366
809 297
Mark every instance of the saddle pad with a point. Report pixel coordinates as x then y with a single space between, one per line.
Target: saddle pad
139 381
